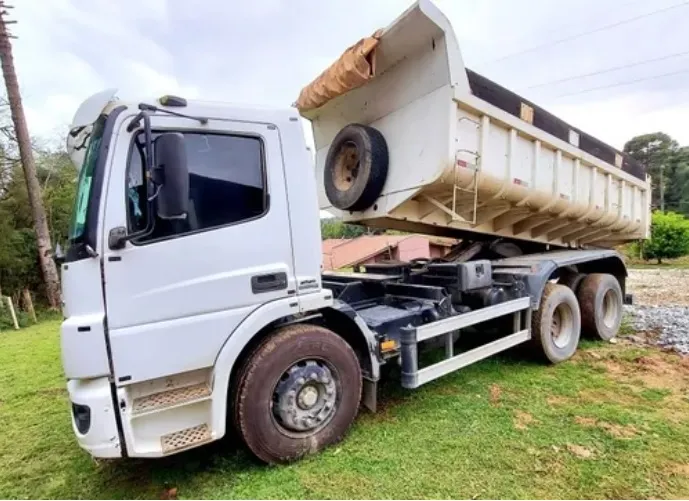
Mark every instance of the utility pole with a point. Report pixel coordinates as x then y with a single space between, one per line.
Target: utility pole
662 188
33 187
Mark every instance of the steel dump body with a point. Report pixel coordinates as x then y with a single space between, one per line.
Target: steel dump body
467 155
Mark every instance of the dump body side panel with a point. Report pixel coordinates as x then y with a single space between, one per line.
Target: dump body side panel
467 155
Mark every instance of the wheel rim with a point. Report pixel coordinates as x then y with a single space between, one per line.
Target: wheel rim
610 308
305 397
562 326
346 167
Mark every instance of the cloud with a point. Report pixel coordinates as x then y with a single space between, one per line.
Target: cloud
263 51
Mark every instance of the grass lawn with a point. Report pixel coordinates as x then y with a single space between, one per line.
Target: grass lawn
677 263
614 422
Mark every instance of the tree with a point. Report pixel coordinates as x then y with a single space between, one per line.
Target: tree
50 276
334 228
658 152
19 266
669 236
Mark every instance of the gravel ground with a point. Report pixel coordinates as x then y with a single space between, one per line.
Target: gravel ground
660 313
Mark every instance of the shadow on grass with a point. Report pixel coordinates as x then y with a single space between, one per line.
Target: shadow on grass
153 478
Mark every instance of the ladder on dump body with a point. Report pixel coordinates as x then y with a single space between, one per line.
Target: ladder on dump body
473 188
413 377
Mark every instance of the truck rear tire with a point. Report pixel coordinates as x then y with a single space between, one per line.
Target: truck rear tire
297 393
600 299
556 325
356 167
572 280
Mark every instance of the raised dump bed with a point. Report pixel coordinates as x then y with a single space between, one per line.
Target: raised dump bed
465 154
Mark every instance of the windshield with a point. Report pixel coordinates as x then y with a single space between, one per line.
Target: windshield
78 221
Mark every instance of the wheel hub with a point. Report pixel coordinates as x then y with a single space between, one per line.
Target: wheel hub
561 326
346 167
305 396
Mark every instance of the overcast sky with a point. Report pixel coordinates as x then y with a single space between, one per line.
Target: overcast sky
264 51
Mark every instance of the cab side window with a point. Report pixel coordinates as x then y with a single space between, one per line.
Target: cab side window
227 184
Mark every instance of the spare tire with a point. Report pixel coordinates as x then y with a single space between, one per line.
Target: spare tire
356 168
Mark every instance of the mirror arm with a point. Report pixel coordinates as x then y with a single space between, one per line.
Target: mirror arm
118 236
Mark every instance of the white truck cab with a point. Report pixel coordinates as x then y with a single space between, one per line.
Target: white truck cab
247 250
192 284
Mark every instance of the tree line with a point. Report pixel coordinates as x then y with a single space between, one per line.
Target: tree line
19 257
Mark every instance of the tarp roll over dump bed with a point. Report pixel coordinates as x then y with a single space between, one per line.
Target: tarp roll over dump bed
466 154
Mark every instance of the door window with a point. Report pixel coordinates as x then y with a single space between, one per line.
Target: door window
227 184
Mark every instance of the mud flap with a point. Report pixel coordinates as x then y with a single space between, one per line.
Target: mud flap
369 394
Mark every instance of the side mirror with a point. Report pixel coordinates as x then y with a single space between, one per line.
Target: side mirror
171 175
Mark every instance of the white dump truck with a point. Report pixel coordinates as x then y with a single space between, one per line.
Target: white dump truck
193 291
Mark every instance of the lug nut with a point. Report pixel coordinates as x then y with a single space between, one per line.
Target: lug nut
301 381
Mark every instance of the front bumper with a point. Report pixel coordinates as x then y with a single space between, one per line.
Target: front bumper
93 417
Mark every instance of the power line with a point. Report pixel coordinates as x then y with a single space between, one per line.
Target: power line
620 84
589 32
608 70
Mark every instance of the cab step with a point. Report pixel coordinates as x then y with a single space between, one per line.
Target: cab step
171 398
185 439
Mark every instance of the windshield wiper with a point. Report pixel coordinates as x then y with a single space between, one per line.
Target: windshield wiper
149 107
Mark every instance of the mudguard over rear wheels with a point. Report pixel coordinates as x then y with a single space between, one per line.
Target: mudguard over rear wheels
556 325
600 299
297 393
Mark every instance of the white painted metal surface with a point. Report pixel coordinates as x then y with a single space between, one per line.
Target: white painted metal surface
179 311
434 329
460 163
159 292
458 361
102 439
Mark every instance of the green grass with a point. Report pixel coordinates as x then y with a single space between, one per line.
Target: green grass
504 428
677 263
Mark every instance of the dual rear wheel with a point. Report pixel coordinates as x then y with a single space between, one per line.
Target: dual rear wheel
579 304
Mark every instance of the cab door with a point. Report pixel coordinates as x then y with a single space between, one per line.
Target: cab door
175 296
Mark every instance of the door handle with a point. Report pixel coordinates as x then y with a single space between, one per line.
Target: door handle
268 282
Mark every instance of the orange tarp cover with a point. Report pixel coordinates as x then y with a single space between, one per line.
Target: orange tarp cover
353 69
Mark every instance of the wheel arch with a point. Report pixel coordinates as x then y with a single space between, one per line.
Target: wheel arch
344 321
340 318
552 266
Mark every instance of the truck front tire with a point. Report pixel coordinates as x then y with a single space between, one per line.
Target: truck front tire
556 325
297 393
600 299
356 167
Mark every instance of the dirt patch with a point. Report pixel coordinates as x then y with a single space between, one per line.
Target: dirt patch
556 400
495 393
616 430
657 371
587 422
607 395
580 451
170 493
646 361
642 338
522 420
680 469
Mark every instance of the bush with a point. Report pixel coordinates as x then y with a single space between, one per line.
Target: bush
669 236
